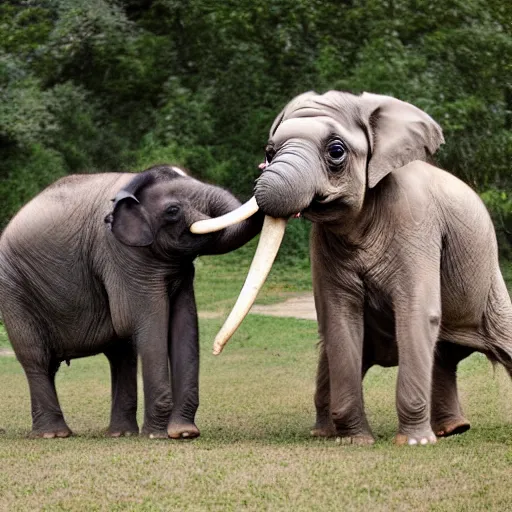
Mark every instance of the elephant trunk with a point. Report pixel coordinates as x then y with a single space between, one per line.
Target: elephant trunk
286 187
288 184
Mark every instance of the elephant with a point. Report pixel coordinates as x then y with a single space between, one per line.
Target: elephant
403 254
80 277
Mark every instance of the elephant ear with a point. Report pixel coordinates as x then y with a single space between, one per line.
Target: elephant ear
399 133
129 221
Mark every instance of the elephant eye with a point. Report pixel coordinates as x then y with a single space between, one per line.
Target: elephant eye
336 151
172 210
270 153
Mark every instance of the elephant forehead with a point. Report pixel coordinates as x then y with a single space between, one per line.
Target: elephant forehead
315 129
162 192
318 129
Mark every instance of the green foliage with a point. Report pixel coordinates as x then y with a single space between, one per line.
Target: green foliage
109 85
24 115
25 174
81 136
499 204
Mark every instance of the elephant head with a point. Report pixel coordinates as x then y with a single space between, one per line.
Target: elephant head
325 154
157 208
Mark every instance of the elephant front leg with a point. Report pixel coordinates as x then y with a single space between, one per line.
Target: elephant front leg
184 357
341 324
417 326
151 341
324 427
447 417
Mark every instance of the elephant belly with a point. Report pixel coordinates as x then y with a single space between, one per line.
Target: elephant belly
89 333
70 321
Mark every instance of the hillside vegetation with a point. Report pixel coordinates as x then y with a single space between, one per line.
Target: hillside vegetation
120 85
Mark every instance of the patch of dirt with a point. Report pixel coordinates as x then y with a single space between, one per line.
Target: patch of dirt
6 352
299 306
208 315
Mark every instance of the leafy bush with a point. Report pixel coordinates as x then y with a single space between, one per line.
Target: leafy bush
499 204
27 173
85 142
110 85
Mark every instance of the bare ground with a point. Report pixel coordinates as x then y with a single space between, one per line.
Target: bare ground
299 306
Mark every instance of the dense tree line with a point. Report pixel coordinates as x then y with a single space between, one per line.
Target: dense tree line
88 85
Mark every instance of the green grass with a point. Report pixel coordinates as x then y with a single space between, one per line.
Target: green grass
220 278
255 452
4 341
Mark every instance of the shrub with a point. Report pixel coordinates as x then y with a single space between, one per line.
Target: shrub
499 204
27 172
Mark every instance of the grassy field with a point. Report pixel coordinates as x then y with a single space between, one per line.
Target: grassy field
255 452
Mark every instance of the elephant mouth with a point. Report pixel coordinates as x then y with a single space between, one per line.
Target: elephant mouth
324 209
318 209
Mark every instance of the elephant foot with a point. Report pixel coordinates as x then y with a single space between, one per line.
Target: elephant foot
323 432
357 440
451 427
123 429
421 439
180 430
154 433
324 427
51 434
158 435
122 432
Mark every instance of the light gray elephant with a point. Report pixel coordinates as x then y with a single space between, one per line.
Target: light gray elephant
81 276
404 259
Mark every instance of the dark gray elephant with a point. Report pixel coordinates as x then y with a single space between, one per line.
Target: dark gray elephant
404 258
79 277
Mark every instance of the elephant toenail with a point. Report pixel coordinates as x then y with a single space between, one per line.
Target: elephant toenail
424 441
412 442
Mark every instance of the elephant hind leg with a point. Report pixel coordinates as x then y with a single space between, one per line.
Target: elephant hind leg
122 357
32 344
47 418
447 417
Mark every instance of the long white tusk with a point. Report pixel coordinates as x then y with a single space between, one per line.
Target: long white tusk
270 240
216 224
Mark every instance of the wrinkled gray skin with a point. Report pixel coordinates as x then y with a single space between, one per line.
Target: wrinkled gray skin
404 258
81 276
